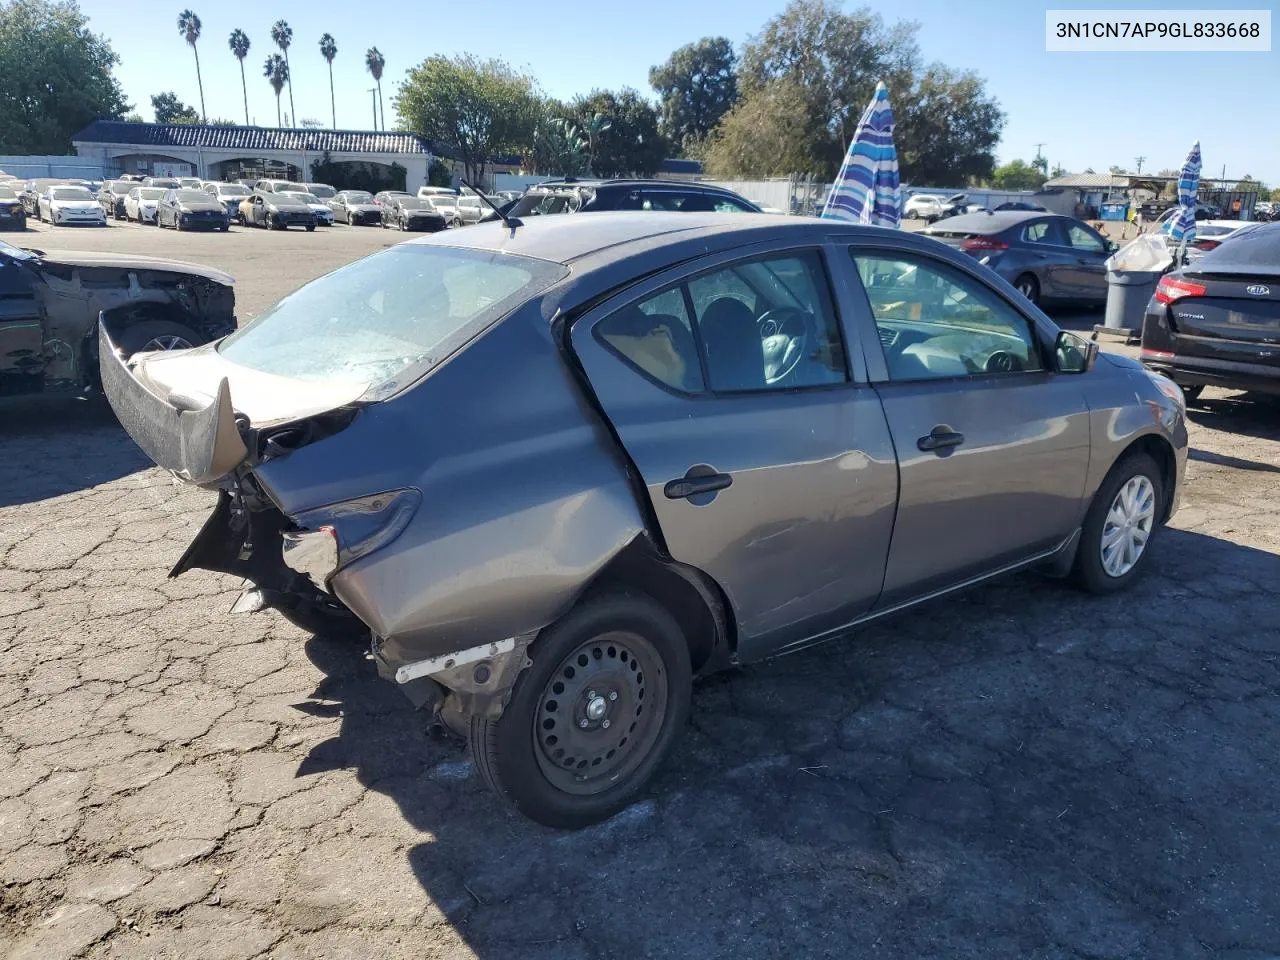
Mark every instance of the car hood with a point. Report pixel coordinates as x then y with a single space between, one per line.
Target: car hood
364 207
125 261
76 204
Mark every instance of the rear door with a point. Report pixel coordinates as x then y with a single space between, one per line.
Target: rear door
993 447
766 463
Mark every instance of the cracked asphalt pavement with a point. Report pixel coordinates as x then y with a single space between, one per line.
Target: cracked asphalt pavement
1022 771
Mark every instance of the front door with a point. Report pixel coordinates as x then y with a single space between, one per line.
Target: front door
1089 254
992 446
766 467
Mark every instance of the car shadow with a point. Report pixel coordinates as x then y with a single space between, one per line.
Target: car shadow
53 446
1011 769
1245 414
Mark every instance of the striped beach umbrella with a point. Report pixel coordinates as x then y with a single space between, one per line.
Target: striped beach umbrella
1183 227
866 189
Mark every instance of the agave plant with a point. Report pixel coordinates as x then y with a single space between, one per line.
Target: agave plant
189 26
374 62
276 70
282 37
329 50
239 44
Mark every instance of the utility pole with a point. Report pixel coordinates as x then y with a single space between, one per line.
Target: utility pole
1040 161
1139 161
373 94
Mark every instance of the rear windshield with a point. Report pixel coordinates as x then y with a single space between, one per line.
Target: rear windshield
231 190
541 203
387 319
359 196
321 190
6 193
194 196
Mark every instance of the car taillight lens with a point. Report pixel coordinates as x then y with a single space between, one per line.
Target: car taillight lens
982 243
1207 244
1171 289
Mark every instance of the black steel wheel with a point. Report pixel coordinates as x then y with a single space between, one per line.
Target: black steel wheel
590 721
1028 286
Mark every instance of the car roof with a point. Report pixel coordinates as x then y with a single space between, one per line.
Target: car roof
597 182
570 239
993 221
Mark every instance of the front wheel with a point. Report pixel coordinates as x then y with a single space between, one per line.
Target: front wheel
1119 526
590 721
311 228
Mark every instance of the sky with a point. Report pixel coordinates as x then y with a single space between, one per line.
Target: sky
1087 109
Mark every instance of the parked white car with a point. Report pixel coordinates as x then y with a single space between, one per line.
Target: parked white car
190 183
141 203
923 206
324 216
444 204
471 209
64 205
229 193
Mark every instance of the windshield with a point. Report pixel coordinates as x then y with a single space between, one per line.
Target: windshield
444 203
121 186
17 253
321 190
414 203
385 320
6 193
194 196
359 196
151 193
308 198
231 190
71 193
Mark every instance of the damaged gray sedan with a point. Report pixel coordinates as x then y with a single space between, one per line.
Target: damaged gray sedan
559 469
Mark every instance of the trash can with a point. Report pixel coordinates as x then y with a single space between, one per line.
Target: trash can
1128 292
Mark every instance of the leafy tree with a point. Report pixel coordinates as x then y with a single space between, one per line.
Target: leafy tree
189 26
824 64
239 44
1250 184
697 86
558 145
375 63
1119 171
438 173
134 118
479 108
55 77
277 73
329 50
358 176
621 131
169 109
282 37
1017 175
1167 172
1275 194
1058 171
1089 170
765 134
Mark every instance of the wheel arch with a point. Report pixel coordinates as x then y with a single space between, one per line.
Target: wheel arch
695 600
1160 450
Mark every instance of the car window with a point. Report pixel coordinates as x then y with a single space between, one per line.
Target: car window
761 324
935 322
1039 232
1082 239
656 337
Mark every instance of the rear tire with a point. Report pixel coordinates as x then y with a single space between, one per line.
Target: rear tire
1029 287
311 227
1107 519
611 659
1192 394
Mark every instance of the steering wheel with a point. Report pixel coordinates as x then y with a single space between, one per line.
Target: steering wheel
784 336
1001 361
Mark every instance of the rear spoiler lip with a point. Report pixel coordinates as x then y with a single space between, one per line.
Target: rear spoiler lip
200 445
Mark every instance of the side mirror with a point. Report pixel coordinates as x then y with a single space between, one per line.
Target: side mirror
1073 353
1112 246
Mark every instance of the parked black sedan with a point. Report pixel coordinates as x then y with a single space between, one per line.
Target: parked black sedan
355 208
412 213
112 195
1217 320
191 210
13 216
276 211
1046 256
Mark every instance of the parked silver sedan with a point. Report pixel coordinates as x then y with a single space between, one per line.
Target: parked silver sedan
558 469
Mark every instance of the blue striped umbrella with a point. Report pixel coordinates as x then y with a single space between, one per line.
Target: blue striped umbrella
1183 227
866 190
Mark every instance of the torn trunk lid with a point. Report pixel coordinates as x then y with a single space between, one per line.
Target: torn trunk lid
191 410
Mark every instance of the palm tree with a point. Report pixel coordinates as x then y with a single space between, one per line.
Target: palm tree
282 34
374 62
239 44
329 50
276 70
189 27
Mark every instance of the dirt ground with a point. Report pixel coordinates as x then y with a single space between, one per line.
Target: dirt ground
1022 771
